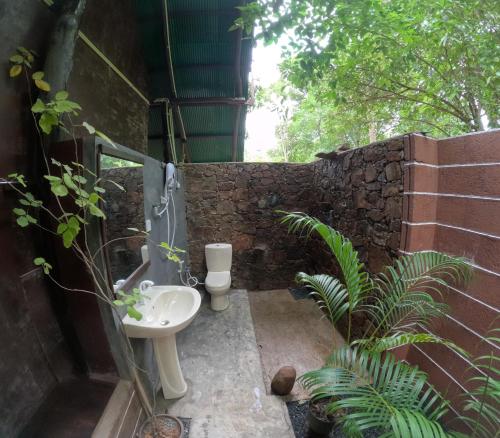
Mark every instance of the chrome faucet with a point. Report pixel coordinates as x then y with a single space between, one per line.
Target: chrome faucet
145 285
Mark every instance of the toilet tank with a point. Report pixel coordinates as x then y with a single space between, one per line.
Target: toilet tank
218 257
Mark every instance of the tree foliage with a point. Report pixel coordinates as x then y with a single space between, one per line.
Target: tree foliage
407 65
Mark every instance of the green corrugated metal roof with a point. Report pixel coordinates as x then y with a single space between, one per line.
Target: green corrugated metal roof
203 54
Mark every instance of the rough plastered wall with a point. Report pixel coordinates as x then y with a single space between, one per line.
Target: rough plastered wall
452 204
124 209
236 203
108 102
33 354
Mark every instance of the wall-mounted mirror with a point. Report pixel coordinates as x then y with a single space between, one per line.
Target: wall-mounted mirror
124 208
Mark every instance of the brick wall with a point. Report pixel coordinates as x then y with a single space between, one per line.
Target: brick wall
452 204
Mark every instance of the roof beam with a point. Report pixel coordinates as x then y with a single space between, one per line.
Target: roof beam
211 101
196 66
201 12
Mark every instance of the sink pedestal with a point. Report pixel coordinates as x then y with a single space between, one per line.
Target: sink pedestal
172 380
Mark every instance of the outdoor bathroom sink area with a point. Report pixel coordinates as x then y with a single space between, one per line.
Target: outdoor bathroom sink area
249 219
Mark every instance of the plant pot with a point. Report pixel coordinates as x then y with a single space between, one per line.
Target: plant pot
161 426
320 423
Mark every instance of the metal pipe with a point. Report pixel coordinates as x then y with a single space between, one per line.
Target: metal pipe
239 94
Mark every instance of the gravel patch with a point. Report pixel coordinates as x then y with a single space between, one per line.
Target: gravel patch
298 416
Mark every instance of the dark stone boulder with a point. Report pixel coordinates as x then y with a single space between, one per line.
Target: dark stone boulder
283 381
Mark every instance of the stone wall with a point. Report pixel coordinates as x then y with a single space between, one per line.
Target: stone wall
124 209
236 203
360 193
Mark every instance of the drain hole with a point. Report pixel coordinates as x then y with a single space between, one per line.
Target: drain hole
164 322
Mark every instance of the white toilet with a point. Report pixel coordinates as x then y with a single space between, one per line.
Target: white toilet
218 280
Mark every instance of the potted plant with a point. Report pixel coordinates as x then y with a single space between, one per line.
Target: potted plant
372 387
320 419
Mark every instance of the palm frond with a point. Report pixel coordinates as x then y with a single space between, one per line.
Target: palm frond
482 404
357 281
378 345
330 294
405 291
378 392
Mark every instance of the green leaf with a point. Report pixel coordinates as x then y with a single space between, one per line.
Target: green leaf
19 211
118 186
59 189
46 268
118 303
99 189
80 179
105 137
68 169
55 162
81 202
18 59
133 313
66 106
39 261
81 219
96 211
42 85
52 178
39 107
15 70
94 198
74 224
88 127
61 228
61 95
31 219
38 75
22 221
24 202
47 121
69 182
68 237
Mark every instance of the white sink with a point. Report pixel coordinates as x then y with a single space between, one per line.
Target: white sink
166 310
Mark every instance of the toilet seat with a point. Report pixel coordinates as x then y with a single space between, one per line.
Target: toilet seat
218 281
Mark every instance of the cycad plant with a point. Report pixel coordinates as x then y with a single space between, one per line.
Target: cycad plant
482 404
375 389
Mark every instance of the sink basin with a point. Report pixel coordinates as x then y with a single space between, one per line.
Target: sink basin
166 311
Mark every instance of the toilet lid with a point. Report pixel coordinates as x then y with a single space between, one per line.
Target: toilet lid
218 279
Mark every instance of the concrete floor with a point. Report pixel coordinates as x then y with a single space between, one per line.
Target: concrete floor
221 364
290 332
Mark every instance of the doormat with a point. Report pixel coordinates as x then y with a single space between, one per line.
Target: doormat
297 410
